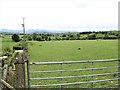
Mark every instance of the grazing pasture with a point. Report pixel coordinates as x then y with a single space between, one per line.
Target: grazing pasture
70 50
73 50
77 50
7 41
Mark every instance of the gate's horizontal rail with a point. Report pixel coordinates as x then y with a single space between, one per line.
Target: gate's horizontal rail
75 83
73 70
72 62
63 77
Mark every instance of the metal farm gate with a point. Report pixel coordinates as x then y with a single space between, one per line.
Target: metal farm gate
74 74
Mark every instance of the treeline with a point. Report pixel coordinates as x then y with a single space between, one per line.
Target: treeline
73 36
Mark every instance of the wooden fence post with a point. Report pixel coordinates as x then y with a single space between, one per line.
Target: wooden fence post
20 71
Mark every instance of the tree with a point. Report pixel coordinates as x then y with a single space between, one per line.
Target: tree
29 37
49 38
106 36
78 35
46 38
38 38
15 38
91 36
34 36
64 35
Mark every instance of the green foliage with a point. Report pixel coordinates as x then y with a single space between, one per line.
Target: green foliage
39 38
75 36
63 35
34 36
49 39
15 38
106 36
91 36
6 51
29 37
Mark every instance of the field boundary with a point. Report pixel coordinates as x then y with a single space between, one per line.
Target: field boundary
60 77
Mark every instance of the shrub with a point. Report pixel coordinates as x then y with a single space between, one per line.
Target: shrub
15 38
91 36
29 38
17 48
38 38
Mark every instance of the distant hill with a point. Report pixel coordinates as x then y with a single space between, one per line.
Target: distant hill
8 31
33 31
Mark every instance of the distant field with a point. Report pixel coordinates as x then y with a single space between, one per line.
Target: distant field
7 41
68 50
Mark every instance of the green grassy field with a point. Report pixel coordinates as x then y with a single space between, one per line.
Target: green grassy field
68 50
7 41
53 51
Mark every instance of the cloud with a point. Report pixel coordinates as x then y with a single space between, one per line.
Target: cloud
58 13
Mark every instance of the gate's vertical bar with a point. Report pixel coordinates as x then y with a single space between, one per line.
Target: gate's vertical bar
61 74
28 74
92 86
1 60
118 74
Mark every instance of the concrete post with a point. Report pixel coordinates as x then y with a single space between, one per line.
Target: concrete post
20 71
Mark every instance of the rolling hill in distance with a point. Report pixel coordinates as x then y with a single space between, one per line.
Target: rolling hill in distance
40 31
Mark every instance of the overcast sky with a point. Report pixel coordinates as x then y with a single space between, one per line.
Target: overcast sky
78 15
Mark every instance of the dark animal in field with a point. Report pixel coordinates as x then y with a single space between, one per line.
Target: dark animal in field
79 48
114 75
